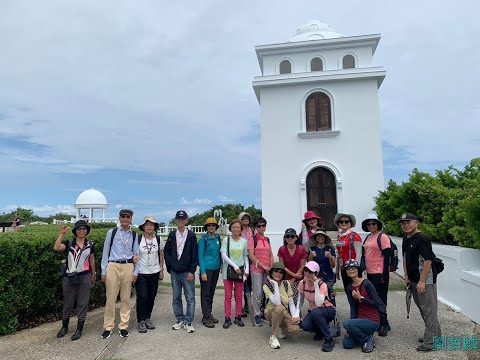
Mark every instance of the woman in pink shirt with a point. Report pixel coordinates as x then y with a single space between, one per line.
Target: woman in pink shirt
293 255
311 224
321 310
377 263
261 256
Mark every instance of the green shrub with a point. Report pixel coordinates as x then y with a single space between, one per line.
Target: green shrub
30 281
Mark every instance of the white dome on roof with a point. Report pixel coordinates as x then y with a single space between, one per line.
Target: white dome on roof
314 30
91 197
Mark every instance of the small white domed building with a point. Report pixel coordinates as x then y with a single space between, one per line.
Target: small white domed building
91 200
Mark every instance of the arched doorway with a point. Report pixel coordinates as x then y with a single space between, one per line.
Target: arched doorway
322 195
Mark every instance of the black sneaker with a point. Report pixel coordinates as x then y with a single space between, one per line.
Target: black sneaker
227 323
424 348
258 321
215 321
106 334
244 313
123 333
318 337
368 346
239 322
328 345
208 322
383 330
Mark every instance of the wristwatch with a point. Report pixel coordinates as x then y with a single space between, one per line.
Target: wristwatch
361 299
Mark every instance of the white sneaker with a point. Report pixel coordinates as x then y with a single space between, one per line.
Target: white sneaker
189 328
274 344
178 325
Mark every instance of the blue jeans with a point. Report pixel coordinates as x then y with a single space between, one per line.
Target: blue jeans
179 281
317 321
359 331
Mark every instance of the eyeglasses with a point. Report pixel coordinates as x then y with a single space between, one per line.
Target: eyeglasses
350 268
277 271
83 228
290 236
261 226
372 224
126 216
210 225
344 221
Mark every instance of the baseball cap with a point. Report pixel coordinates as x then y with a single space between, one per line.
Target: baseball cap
407 217
181 214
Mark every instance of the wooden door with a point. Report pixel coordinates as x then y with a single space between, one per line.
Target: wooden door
322 195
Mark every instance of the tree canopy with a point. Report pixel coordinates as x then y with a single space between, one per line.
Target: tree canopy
447 204
229 211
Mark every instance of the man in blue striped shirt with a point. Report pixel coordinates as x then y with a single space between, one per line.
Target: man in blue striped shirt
118 272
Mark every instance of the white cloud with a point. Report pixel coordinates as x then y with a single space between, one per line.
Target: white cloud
196 201
225 199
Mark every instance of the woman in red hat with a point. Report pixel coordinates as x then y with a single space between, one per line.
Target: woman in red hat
311 223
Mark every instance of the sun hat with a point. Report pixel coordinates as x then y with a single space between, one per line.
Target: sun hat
407 217
152 220
78 224
328 239
181 214
312 266
310 215
210 220
242 214
278 265
371 217
353 221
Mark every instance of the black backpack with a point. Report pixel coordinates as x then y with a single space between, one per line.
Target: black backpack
437 265
158 242
114 231
393 261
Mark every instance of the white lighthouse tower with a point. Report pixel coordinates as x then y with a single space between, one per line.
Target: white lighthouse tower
320 128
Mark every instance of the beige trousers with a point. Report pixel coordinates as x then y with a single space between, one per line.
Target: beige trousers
118 279
279 317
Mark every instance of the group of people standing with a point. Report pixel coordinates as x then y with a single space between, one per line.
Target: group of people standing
276 291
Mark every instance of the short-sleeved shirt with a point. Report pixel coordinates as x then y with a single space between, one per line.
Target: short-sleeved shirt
326 271
309 293
238 249
78 260
292 262
344 248
284 295
373 254
416 250
365 311
262 253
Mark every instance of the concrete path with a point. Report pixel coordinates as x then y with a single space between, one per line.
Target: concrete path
234 343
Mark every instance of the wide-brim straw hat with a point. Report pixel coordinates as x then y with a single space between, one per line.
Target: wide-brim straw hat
328 239
353 221
152 220
371 217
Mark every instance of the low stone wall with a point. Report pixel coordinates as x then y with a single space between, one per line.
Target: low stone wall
458 285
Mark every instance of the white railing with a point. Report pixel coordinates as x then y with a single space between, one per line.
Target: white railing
92 220
165 230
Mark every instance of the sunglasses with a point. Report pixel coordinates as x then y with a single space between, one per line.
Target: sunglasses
277 271
210 225
83 228
372 224
344 221
308 271
312 219
290 236
261 226
350 268
126 216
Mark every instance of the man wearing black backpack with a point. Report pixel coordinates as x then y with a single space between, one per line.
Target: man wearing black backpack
118 272
420 277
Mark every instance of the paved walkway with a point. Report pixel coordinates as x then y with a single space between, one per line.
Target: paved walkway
234 343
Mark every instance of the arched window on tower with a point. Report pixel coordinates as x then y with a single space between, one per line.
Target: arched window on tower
316 64
285 67
348 62
318 112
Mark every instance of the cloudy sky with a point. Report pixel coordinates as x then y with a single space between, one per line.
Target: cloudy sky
151 101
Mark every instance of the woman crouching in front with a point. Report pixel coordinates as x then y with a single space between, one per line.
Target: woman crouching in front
321 310
280 310
365 309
